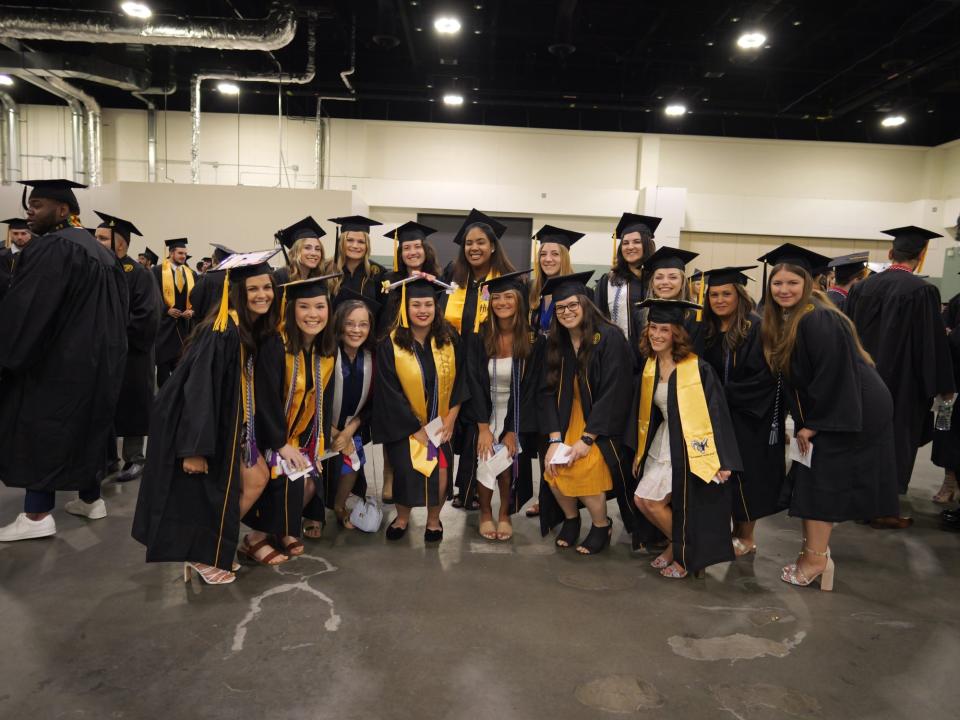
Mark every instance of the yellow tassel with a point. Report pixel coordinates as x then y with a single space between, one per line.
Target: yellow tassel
535 260
396 251
282 324
403 307
923 256
220 324
703 284
476 317
613 236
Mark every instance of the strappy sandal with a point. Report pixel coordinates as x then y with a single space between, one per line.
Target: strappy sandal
534 511
312 529
270 559
504 536
343 518
293 549
674 571
660 562
488 531
597 539
740 548
208 573
569 532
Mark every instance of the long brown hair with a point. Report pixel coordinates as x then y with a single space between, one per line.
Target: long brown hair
341 260
621 272
440 330
779 331
593 319
682 344
566 268
499 262
324 343
340 320
253 329
430 266
739 328
519 329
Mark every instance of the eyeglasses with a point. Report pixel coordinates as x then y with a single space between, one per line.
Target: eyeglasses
571 307
356 325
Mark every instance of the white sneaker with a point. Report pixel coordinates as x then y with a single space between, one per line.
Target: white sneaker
92 511
23 528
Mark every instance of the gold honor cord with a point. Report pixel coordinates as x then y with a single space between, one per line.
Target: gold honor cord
166 274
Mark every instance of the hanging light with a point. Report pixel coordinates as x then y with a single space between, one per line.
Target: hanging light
446 25
893 121
138 10
228 88
675 110
453 99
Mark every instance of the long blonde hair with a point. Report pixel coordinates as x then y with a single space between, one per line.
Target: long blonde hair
566 268
779 330
295 266
684 287
341 259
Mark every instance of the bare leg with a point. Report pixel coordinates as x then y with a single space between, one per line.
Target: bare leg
387 476
817 533
743 531
660 514
344 486
433 513
403 517
254 481
597 507
504 524
567 504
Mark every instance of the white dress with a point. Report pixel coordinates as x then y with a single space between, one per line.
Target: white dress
657 480
501 374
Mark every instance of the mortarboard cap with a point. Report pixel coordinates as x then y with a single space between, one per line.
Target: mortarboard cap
306 228
348 294
419 288
728 275
629 222
846 267
551 234
118 225
354 223
309 288
16 223
57 190
507 281
561 287
475 217
151 256
669 257
795 255
667 311
174 243
911 239
410 231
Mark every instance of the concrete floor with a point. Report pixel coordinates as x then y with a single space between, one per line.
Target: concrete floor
359 629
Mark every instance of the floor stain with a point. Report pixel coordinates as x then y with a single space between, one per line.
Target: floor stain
733 647
754 702
622 694
593 581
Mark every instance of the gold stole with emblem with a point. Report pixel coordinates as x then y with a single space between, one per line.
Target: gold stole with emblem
169 294
300 402
455 302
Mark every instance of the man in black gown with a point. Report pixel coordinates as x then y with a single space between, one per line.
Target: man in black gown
64 327
897 315
18 235
176 281
848 271
132 419
209 288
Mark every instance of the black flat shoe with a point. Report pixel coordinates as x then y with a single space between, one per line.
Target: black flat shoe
597 539
457 502
432 536
395 533
569 532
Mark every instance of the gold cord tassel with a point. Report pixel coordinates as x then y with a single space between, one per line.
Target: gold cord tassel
703 284
396 250
220 324
403 307
613 237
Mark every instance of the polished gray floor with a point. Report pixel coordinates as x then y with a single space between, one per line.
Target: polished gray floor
361 629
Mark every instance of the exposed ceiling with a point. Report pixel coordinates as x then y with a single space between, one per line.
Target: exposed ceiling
828 70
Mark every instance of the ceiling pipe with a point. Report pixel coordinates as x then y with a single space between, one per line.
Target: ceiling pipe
272 32
345 75
10 140
152 125
72 67
320 143
196 83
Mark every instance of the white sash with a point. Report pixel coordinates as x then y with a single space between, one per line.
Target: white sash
338 385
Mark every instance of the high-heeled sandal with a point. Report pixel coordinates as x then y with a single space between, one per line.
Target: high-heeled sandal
569 532
660 562
597 539
740 548
312 529
948 491
208 573
507 534
793 575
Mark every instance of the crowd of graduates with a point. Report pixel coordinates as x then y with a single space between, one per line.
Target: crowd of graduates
249 393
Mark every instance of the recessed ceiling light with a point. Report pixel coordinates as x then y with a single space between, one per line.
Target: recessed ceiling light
797 23
893 121
453 99
675 110
137 10
477 32
6 80
446 25
228 88
709 43
419 29
734 19
751 40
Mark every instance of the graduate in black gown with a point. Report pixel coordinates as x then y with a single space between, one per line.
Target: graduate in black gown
204 470
848 270
292 377
412 253
132 419
208 291
502 410
176 281
420 379
303 251
583 401
951 314
18 235
352 258
730 341
898 318
618 292
684 447
840 407
63 345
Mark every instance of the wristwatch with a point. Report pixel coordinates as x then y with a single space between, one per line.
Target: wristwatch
586 440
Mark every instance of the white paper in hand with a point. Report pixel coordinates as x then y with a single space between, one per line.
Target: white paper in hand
434 430
562 455
799 457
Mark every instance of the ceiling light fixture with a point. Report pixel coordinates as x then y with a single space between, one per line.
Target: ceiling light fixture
453 100
751 40
228 88
6 80
893 121
138 10
446 25
675 110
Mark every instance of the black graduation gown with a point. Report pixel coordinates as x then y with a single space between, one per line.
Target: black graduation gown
751 393
701 510
132 417
951 315
390 311
898 319
479 409
832 389
6 269
637 291
394 422
207 293
946 443
198 412
837 298
63 345
369 286
173 331
605 395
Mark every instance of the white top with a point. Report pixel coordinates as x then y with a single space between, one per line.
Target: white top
660 447
657 480
501 373
619 306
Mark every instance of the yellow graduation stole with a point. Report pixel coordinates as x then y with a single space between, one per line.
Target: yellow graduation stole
694 416
455 302
411 382
166 275
300 402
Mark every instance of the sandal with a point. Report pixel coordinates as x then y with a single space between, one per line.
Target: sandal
312 529
660 562
208 573
488 531
457 502
270 559
343 518
740 548
597 539
674 570
508 534
395 533
534 510
292 546
569 532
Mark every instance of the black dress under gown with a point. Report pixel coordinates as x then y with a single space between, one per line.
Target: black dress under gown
946 443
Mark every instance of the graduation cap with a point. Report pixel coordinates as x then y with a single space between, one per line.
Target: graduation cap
408 232
175 243
563 286
795 255
16 223
669 258
220 252
849 266
551 234
309 288
350 294
667 311
56 190
475 217
728 275
911 239
151 256
419 288
507 281
629 222
118 225
240 266
697 275
306 228
354 223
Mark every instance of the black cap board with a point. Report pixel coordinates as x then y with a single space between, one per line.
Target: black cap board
551 234
507 281
629 222
728 275
118 225
911 239
421 288
347 294
57 190
151 256
16 223
846 267
795 255
669 258
667 311
410 231
697 275
561 287
306 228
475 217
352 223
309 288
175 243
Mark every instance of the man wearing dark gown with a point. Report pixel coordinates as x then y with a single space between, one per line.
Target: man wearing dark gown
132 419
209 288
18 235
64 327
848 271
897 316
176 281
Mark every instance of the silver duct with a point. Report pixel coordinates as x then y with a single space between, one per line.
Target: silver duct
272 32
320 142
279 79
10 140
152 126
71 67
92 125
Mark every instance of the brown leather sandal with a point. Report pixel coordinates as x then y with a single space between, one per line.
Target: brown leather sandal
270 559
293 549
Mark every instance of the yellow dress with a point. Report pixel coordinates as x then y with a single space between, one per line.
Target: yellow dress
589 475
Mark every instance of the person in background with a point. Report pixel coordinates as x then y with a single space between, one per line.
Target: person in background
303 251
175 280
352 258
18 235
132 418
898 318
150 258
63 346
848 270
207 292
946 450
618 292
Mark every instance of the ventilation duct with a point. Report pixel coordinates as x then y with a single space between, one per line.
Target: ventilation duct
73 67
152 125
10 139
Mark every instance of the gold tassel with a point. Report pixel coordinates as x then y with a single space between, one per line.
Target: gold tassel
282 323
220 324
535 246
613 236
396 250
703 284
923 256
403 306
